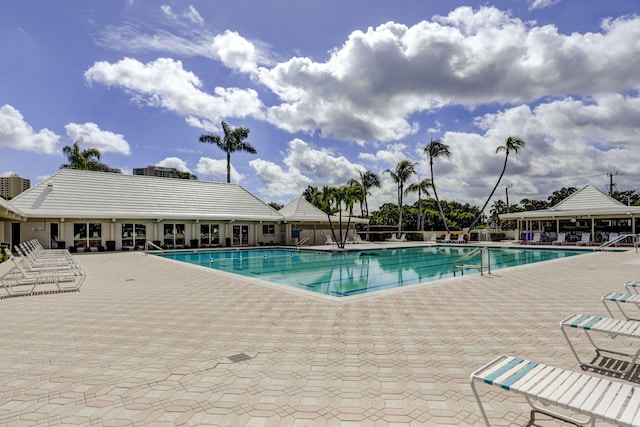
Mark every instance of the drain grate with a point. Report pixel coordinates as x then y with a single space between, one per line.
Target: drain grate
240 357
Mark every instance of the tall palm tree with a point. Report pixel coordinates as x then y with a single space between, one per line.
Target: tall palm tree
404 170
233 140
511 144
421 188
435 150
368 180
88 159
325 200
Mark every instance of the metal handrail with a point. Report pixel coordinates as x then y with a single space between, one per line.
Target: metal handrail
148 243
618 239
302 242
459 263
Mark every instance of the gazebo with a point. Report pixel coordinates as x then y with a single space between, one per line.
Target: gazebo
586 210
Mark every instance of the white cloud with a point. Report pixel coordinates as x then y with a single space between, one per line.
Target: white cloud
90 135
193 15
236 52
16 133
164 83
218 169
175 163
305 165
541 4
370 86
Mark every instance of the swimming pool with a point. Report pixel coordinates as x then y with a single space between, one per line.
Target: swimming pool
353 272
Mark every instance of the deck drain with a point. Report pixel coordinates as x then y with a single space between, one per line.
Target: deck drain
241 357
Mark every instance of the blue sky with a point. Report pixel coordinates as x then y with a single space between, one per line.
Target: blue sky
328 88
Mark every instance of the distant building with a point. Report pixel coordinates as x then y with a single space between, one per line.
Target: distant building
156 171
11 186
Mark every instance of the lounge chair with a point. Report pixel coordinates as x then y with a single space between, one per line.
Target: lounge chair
561 240
459 239
447 238
329 240
585 239
403 237
604 326
537 239
620 300
612 237
632 285
596 398
357 239
19 281
393 238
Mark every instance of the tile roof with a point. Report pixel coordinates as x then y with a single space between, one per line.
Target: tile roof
73 193
10 212
300 210
588 200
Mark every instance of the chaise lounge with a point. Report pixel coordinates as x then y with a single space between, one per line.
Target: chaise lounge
594 397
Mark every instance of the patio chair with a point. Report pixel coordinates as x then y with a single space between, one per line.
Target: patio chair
620 300
394 238
329 240
32 263
403 237
585 239
612 237
537 239
447 238
19 281
595 398
561 240
603 326
357 239
459 239
632 285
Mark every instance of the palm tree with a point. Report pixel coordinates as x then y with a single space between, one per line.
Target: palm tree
233 140
404 170
421 187
324 200
512 143
368 180
437 149
88 159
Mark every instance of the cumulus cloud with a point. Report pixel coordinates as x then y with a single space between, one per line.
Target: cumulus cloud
16 133
164 83
541 4
90 135
175 163
305 165
370 86
236 52
218 169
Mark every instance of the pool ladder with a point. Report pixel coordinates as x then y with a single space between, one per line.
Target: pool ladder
460 263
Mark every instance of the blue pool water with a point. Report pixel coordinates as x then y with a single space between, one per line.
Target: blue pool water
354 272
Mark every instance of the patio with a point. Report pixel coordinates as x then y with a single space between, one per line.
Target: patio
153 342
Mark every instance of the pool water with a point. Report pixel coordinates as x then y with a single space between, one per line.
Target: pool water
354 272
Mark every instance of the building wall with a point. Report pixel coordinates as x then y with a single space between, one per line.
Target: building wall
11 186
125 233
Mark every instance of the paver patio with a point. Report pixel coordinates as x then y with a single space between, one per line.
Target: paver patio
151 342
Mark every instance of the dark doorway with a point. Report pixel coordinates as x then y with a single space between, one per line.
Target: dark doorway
15 234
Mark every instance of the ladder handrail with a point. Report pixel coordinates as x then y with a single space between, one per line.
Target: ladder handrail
459 263
618 240
302 242
148 243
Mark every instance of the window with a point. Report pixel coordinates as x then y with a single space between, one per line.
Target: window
174 235
268 229
87 235
134 235
209 235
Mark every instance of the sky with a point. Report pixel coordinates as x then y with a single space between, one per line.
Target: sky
329 89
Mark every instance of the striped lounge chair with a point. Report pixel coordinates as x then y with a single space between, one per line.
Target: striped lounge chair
579 394
604 327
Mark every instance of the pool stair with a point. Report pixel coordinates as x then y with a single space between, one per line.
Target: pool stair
460 263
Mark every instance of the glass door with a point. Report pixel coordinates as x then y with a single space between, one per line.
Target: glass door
240 235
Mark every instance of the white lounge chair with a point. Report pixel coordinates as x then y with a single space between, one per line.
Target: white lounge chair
537 239
329 240
561 240
357 239
607 327
620 300
393 238
596 398
403 237
612 237
447 238
585 239
459 239
632 285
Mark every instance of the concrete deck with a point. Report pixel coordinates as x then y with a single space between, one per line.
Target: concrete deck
150 342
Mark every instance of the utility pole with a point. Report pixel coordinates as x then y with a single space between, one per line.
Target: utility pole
506 190
611 184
